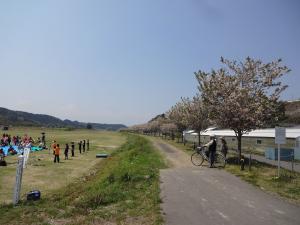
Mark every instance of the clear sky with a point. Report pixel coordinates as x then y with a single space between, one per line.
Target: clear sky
127 61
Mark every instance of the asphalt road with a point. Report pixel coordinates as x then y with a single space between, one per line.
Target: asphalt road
200 195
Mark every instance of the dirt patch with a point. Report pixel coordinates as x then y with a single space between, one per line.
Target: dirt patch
166 148
176 158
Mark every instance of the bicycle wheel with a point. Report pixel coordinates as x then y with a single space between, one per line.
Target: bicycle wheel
197 159
219 160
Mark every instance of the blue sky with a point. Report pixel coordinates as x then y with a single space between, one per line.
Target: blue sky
127 61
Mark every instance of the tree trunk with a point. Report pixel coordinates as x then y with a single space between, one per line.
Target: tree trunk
239 139
199 138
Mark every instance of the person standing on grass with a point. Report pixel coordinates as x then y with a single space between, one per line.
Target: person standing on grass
83 145
73 149
15 140
224 147
44 139
87 144
56 153
79 146
67 152
9 139
53 146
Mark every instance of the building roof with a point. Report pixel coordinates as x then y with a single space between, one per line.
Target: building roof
270 132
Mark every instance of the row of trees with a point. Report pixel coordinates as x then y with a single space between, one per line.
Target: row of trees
161 125
240 96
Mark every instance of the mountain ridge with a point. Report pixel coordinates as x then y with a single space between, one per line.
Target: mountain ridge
20 118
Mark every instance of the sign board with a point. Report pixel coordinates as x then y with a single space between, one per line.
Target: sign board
280 137
17 189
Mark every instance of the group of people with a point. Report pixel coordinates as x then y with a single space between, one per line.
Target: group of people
82 147
212 148
7 140
21 142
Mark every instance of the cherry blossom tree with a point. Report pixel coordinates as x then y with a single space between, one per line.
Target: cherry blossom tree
154 127
243 96
196 115
140 128
169 129
177 115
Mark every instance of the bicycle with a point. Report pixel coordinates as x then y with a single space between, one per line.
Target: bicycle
199 157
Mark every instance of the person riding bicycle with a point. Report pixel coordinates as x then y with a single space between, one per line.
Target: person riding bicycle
212 148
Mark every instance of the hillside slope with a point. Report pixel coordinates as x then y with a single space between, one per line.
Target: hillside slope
19 118
292 112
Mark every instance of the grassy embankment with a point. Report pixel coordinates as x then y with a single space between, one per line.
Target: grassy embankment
260 175
42 174
124 189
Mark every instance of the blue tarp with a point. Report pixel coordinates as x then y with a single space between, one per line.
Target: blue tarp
19 150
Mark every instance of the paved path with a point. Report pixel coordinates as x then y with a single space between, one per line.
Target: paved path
283 164
199 195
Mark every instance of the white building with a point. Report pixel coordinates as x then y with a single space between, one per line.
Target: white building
259 140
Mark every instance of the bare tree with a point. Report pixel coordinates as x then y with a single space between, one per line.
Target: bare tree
243 96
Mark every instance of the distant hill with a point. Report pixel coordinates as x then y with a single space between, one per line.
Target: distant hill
19 118
292 112
158 117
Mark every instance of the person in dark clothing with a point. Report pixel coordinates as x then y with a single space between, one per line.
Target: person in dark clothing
73 149
79 146
212 148
224 147
83 145
17 140
44 140
67 152
9 139
87 144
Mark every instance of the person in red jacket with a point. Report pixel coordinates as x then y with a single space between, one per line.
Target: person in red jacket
56 153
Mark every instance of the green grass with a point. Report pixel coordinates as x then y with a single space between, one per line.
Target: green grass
265 177
41 173
261 175
124 189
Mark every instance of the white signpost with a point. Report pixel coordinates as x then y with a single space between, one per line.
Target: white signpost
280 139
19 174
26 156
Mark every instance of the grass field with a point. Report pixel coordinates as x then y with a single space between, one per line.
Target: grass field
46 176
124 189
